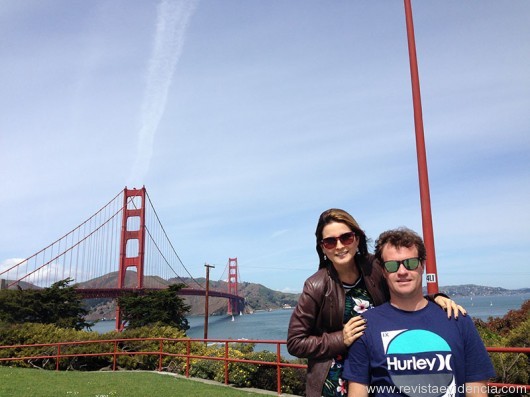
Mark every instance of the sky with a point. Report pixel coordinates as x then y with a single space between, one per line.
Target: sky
245 120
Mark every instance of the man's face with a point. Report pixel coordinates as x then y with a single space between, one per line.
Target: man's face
403 283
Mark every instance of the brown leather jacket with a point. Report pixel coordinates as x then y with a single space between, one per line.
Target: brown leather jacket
315 328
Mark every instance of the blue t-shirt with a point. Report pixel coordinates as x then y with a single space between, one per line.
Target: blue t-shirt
420 353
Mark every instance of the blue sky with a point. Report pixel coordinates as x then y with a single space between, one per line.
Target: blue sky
246 119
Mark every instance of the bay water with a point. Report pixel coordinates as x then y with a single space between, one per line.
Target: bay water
272 325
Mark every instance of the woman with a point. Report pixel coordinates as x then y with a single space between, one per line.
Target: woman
326 319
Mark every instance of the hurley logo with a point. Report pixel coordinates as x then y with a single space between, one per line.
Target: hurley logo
437 363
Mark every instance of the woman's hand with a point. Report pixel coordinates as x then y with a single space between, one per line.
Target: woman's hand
450 306
353 330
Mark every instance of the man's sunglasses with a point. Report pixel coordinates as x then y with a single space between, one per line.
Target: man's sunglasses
331 242
410 264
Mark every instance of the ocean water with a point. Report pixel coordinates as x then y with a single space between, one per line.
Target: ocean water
273 325
258 326
484 307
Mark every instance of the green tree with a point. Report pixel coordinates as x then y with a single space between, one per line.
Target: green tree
511 330
155 307
60 305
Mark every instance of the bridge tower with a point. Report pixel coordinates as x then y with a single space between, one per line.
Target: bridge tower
132 241
233 304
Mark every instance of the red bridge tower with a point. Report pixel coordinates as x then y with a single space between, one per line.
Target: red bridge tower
233 304
132 241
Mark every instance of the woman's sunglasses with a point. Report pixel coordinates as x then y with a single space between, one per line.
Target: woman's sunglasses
331 242
410 264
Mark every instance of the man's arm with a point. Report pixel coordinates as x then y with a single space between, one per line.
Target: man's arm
475 389
357 390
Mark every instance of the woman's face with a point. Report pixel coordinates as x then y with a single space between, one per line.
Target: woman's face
342 255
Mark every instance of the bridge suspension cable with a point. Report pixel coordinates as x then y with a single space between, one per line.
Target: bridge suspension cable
60 259
170 245
90 253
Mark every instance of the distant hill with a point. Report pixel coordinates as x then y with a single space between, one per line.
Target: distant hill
257 296
480 290
20 285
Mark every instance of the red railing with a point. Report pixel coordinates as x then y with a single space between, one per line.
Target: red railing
161 353
524 350
188 356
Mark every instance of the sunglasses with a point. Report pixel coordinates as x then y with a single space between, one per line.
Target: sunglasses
410 264
331 242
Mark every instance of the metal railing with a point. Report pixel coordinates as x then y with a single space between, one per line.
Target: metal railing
61 353
188 356
524 350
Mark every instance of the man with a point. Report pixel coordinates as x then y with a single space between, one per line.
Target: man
409 347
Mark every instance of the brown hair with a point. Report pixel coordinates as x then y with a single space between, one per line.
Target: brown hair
400 237
340 216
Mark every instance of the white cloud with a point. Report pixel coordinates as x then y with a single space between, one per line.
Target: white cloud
249 122
172 22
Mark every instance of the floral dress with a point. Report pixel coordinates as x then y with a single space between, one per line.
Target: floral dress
357 301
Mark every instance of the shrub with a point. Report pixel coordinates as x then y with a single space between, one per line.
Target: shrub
150 362
265 376
207 369
239 374
514 367
32 333
512 330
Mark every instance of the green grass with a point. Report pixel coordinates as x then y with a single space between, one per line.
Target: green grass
24 382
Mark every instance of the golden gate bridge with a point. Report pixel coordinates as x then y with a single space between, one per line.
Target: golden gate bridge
122 248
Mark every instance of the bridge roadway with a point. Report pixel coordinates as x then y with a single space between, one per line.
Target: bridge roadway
88 293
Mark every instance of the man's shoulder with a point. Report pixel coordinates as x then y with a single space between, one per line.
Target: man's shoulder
436 312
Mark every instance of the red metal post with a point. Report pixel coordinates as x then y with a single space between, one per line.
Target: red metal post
233 304
428 236
131 208
188 352
161 351
226 363
114 356
58 357
278 370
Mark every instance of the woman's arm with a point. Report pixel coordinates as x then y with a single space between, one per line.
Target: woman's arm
476 389
357 390
304 339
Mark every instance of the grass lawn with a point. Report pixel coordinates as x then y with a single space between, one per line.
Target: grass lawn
23 382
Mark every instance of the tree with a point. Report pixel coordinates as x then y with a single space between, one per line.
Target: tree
513 330
60 305
162 306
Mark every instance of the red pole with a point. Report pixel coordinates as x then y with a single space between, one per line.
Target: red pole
428 237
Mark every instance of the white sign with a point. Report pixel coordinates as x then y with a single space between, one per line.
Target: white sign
431 277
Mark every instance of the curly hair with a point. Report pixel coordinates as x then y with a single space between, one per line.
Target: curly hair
400 237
